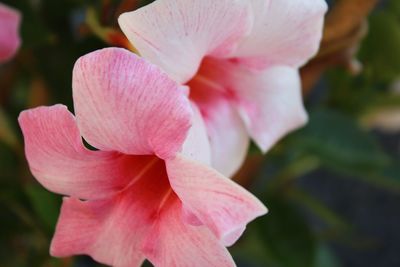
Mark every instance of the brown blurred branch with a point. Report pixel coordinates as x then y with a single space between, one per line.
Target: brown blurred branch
126 6
345 27
338 22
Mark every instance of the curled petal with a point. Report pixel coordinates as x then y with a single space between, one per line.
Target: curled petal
175 243
126 104
219 203
177 34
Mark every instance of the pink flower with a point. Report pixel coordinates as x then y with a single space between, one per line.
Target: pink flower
10 20
148 192
240 59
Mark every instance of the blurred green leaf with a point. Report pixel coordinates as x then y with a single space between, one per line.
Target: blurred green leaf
380 52
45 204
286 235
8 165
393 6
339 143
318 209
388 178
251 249
7 132
325 257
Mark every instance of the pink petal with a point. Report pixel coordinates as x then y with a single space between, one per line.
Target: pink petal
113 231
173 243
285 32
123 103
108 232
60 162
177 34
227 132
10 20
220 204
197 145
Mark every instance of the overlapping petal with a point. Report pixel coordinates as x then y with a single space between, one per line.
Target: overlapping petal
219 203
123 103
227 133
177 34
10 20
197 145
228 138
269 101
60 162
175 243
285 32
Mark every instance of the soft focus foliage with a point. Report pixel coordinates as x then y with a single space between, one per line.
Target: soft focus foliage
349 116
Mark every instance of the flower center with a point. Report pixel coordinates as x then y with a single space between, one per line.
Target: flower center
150 180
206 78
211 84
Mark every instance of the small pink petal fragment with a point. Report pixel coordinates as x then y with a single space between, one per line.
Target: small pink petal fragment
10 20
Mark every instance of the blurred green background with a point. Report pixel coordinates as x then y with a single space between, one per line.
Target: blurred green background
332 188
